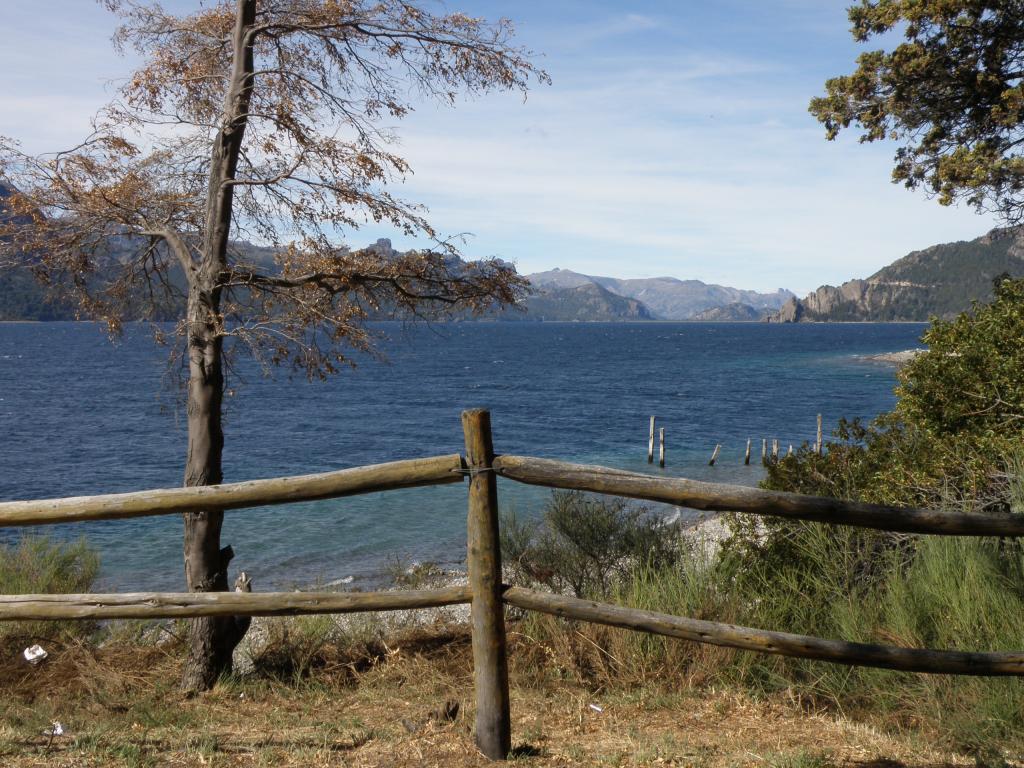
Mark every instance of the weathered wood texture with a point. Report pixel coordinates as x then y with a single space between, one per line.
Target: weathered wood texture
746 455
817 442
650 444
172 605
714 455
278 490
661 446
719 497
781 643
487 613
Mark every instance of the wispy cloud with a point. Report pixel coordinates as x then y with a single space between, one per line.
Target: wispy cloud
580 35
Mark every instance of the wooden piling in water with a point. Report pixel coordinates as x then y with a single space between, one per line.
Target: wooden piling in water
764 450
746 456
818 443
487 611
775 449
790 451
661 447
650 444
714 455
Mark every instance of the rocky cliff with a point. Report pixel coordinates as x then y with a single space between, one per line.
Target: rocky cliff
941 281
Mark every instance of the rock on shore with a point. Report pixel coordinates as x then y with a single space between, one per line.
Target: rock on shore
898 358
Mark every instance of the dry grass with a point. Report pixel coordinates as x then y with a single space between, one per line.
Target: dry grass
119 707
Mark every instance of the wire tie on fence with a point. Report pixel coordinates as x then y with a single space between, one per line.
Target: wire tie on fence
472 471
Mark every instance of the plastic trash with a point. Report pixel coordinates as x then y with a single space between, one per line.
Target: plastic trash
596 708
55 729
35 654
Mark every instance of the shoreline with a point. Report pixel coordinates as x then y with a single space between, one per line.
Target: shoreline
533 321
898 358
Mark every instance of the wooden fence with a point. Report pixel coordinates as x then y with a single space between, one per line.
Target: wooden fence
485 593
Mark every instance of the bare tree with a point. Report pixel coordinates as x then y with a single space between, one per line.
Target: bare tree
255 120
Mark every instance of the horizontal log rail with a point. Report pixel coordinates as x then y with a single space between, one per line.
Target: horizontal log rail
1008 663
719 497
410 473
174 605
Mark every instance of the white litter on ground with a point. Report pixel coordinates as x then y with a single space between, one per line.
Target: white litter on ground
34 654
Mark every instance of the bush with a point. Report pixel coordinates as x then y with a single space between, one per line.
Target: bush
957 420
585 544
40 565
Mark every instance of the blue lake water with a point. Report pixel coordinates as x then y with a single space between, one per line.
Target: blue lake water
79 415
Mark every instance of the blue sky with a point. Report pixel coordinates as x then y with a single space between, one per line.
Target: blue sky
674 140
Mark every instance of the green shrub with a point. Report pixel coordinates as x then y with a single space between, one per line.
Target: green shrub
957 421
40 565
585 544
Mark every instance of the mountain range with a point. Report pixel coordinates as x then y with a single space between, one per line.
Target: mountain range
557 294
940 281
654 298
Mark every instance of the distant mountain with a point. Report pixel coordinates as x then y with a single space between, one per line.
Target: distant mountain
5 212
21 297
731 313
667 298
588 301
560 278
938 281
558 294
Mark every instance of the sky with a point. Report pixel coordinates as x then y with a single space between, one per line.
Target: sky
674 140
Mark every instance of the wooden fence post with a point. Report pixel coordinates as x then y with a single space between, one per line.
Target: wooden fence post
487 612
661 446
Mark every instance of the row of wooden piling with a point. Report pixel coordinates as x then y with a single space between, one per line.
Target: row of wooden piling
765 457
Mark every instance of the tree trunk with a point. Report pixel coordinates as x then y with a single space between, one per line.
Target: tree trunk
211 640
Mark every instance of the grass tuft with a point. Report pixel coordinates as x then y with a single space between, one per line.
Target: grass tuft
40 565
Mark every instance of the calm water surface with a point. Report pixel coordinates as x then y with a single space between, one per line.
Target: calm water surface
79 416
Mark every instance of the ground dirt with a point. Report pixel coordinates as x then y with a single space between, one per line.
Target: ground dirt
119 706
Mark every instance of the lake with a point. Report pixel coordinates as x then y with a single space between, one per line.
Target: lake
80 415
